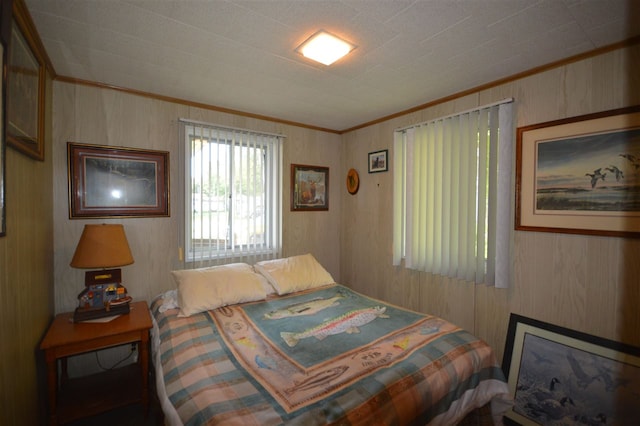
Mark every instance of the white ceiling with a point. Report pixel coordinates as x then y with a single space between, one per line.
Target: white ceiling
240 54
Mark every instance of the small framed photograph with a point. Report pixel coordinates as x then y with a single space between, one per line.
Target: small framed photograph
562 376
378 161
580 175
309 188
107 181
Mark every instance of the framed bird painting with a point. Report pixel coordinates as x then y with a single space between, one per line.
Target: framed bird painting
559 376
580 175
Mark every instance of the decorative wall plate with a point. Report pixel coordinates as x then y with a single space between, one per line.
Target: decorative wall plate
353 181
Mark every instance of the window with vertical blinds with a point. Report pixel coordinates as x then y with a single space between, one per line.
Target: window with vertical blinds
453 195
232 187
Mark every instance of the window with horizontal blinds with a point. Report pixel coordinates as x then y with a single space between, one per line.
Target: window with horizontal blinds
453 195
232 187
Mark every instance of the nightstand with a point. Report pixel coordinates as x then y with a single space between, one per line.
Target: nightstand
72 399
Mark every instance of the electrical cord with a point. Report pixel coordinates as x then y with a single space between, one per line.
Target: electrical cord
114 365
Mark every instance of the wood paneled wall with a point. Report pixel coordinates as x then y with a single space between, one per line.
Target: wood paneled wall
26 282
587 283
86 114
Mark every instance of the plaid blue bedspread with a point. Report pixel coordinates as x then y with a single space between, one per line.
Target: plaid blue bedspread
323 356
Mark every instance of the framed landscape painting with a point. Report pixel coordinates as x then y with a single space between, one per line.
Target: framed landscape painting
110 181
580 175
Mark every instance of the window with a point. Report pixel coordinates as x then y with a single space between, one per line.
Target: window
232 187
453 195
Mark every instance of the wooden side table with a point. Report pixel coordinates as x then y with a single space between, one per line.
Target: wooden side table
90 395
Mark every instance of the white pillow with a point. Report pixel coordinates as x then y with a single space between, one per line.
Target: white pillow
204 289
294 273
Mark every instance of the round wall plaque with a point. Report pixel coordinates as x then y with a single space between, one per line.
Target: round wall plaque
353 181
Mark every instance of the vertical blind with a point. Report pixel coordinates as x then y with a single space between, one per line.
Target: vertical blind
452 195
233 197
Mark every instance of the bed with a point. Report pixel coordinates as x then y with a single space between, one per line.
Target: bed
281 343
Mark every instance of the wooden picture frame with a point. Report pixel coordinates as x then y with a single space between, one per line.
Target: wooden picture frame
580 175
556 373
378 161
5 36
5 22
25 89
107 181
309 188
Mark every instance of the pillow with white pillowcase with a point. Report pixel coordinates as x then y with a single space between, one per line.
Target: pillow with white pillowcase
205 289
294 273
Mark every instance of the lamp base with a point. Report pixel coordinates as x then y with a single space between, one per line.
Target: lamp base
81 314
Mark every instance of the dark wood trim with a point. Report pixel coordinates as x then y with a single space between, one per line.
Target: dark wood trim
598 51
601 50
190 103
22 15
5 23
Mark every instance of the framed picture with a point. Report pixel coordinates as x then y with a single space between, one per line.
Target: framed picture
3 224
309 188
580 175
5 36
561 376
25 90
378 161
106 181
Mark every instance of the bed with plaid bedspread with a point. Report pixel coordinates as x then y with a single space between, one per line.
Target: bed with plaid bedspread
322 356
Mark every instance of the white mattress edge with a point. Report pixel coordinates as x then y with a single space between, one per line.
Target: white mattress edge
171 416
492 390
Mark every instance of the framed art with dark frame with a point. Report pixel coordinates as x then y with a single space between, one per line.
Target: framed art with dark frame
580 175
5 24
378 161
309 188
561 376
107 181
25 89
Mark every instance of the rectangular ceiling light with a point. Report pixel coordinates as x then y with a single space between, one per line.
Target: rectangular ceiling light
324 48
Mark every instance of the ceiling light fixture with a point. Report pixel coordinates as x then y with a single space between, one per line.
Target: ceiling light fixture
324 48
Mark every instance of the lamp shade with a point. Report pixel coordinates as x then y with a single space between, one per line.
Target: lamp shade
102 246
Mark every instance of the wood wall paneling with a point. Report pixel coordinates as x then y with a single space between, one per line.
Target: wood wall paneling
588 283
582 282
26 281
87 114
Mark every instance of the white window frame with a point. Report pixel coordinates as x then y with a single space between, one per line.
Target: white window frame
211 251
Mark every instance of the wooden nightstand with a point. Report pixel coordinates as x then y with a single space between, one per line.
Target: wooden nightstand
86 396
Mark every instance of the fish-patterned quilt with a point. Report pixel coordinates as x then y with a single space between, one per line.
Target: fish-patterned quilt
323 356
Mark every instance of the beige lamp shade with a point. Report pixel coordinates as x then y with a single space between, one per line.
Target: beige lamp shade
102 246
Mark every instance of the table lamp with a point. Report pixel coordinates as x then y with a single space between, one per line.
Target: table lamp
102 246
